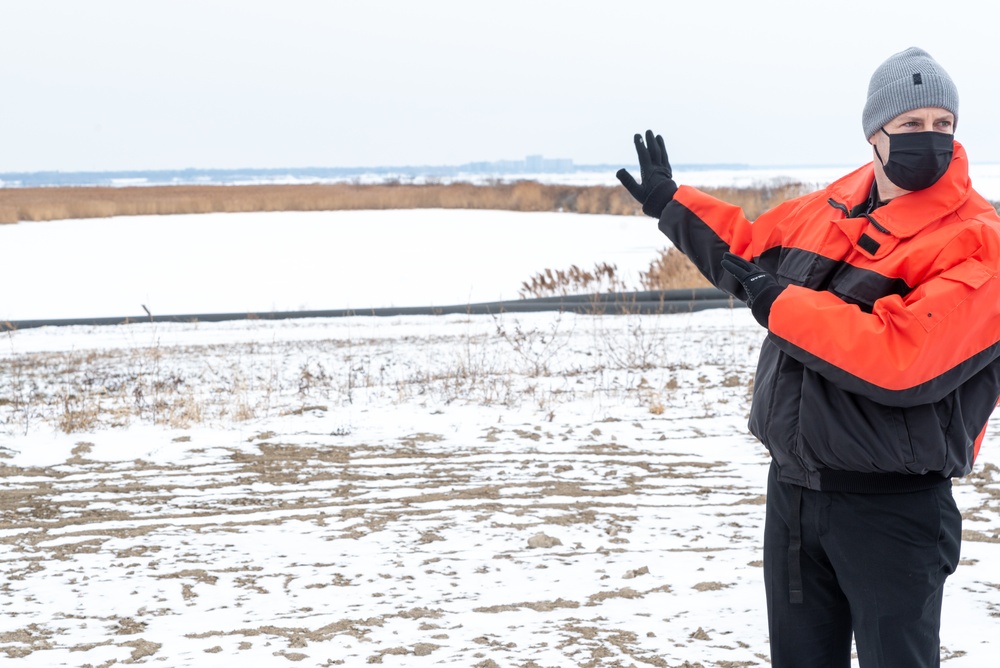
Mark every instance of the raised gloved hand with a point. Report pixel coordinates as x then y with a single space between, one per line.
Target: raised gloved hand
657 187
761 288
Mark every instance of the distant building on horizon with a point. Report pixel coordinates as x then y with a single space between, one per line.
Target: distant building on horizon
532 164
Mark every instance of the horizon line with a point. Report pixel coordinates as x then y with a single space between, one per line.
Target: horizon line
464 167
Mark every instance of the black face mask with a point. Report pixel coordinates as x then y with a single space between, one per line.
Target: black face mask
917 159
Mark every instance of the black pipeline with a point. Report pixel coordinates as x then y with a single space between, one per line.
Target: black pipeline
612 303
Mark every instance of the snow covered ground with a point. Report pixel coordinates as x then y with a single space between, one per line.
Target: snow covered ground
520 490
246 262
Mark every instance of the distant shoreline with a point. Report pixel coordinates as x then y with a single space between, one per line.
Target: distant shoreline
503 171
753 191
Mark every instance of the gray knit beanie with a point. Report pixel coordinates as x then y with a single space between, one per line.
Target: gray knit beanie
907 80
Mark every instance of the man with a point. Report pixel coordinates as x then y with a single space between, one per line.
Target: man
880 370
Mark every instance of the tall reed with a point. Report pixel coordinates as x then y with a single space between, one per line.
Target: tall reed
57 203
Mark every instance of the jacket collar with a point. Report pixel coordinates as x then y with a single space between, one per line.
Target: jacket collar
906 215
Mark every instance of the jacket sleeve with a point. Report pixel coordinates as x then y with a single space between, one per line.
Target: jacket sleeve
704 229
909 350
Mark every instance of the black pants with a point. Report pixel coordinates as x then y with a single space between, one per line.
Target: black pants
871 564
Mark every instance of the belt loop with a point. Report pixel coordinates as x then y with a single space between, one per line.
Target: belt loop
795 548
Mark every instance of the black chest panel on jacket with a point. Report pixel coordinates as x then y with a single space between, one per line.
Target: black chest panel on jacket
854 285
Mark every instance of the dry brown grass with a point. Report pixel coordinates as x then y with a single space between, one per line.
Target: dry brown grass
603 278
59 203
672 271
37 204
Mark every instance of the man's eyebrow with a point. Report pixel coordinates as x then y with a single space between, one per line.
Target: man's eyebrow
947 116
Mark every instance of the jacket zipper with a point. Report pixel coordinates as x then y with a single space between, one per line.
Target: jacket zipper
847 213
837 205
875 224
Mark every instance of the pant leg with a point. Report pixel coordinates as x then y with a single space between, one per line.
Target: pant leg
815 633
892 554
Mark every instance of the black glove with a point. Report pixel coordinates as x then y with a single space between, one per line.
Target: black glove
657 187
762 288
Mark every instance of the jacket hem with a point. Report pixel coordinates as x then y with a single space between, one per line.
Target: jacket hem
877 483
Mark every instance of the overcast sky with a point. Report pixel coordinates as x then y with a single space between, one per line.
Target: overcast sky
121 84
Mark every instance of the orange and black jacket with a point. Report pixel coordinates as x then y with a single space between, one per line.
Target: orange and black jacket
882 361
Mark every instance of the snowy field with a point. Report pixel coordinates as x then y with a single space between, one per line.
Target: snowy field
259 262
511 491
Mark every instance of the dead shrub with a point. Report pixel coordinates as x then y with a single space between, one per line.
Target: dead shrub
672 271
549 283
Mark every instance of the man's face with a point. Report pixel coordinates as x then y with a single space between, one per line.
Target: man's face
925 119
